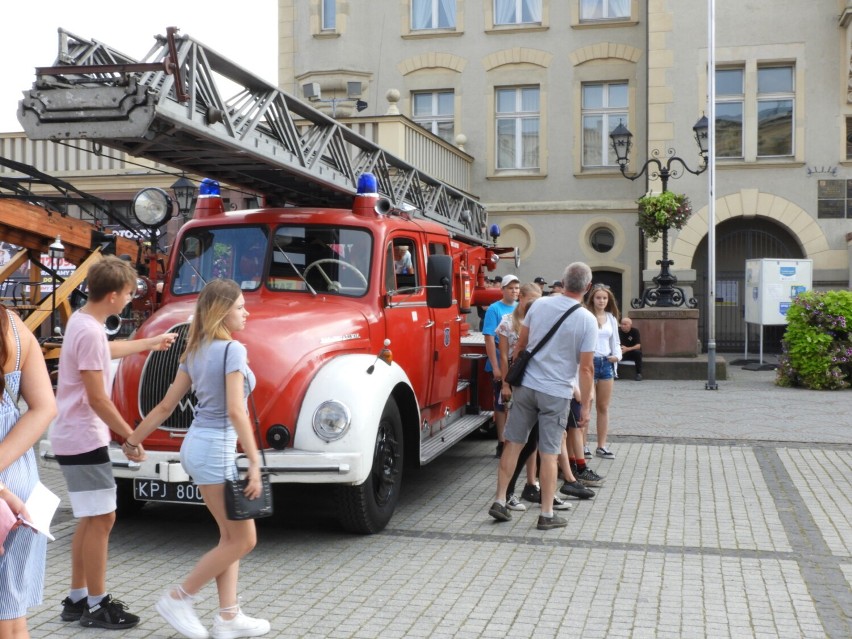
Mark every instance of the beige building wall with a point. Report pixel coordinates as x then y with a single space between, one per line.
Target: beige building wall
552 210
787 190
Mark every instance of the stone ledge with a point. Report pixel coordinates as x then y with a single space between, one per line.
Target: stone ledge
674 368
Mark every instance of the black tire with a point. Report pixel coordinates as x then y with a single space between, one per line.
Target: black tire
126 506
366 509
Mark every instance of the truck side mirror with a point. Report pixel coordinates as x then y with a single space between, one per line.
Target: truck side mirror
439 281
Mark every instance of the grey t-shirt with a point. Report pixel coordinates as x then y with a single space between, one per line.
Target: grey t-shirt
207 369
553 369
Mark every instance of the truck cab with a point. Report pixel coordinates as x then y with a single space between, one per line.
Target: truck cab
358 359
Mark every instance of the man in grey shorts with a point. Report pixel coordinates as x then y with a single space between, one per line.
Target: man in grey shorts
545 395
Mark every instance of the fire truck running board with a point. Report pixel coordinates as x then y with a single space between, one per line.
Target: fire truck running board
448 437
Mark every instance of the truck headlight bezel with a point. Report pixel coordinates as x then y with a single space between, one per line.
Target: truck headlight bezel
331 420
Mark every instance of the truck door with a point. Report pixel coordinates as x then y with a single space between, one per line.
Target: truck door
446 338
409 325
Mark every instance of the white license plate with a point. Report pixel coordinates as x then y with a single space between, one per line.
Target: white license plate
184 492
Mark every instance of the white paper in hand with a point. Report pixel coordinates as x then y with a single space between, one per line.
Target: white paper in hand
41 505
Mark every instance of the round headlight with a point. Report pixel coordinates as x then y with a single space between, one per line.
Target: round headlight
331 420
152 207
141 288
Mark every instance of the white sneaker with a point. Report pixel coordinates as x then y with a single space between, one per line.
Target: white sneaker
240 626
181 616
513 503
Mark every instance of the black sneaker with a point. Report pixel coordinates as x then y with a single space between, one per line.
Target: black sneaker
548 523
589 477
500 512
560 504
109 613
532 493
72 611
576 489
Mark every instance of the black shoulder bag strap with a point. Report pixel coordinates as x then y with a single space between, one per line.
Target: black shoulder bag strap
253 408
554 329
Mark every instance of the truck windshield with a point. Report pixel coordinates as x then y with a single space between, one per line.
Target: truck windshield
321 259
237 253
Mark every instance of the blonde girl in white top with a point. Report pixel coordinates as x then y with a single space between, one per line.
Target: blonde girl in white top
607 353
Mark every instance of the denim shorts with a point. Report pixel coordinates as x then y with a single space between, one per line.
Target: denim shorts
209 454
497 387
603 369
573 415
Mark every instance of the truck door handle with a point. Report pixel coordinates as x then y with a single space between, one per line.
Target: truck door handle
429 324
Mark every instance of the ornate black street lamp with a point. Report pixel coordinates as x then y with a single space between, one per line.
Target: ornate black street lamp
665 293
184 191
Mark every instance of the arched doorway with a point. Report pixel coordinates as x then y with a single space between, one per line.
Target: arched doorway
737 240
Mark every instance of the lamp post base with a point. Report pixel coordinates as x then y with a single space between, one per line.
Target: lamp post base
668 332
666 293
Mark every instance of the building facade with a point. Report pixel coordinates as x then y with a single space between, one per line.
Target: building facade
531 90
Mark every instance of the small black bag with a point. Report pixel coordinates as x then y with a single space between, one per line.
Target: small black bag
515 375
237 505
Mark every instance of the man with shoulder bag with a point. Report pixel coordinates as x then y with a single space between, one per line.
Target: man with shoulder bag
561 337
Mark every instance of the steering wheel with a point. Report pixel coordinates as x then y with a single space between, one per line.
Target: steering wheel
334 286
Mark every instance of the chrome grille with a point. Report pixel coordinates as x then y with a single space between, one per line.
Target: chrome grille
157 375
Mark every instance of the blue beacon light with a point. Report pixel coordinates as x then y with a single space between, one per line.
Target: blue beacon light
209 188
367 184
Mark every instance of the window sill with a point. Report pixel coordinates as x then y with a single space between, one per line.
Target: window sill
426 34
515 28
605 24
517 174
598 172
327 35
759 163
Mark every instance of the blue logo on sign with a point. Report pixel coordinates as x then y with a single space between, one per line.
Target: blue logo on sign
788 271
783 307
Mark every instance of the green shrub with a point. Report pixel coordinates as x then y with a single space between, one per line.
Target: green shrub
817 345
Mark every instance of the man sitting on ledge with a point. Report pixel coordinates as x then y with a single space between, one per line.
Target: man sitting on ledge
631 346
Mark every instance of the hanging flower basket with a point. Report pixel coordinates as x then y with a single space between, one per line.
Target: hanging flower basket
662 211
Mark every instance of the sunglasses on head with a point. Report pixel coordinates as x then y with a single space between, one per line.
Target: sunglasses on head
598 287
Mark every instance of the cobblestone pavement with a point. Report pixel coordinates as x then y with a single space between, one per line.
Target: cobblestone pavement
725 513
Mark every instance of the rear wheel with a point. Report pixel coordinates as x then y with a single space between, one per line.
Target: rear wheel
367 508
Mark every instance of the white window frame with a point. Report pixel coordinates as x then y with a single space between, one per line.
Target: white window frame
610 116
520 117
328 15
434 119
732 98
534 9
435 14
608 10
778 96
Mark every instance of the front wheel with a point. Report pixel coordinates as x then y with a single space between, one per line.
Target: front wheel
367 508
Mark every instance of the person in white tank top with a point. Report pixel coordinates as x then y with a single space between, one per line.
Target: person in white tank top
607 353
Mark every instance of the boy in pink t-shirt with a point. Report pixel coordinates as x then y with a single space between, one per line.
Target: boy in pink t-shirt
80 438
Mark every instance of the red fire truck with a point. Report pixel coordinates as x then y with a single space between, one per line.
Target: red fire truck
358 330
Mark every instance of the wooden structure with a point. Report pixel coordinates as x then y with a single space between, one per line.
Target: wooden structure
33 229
